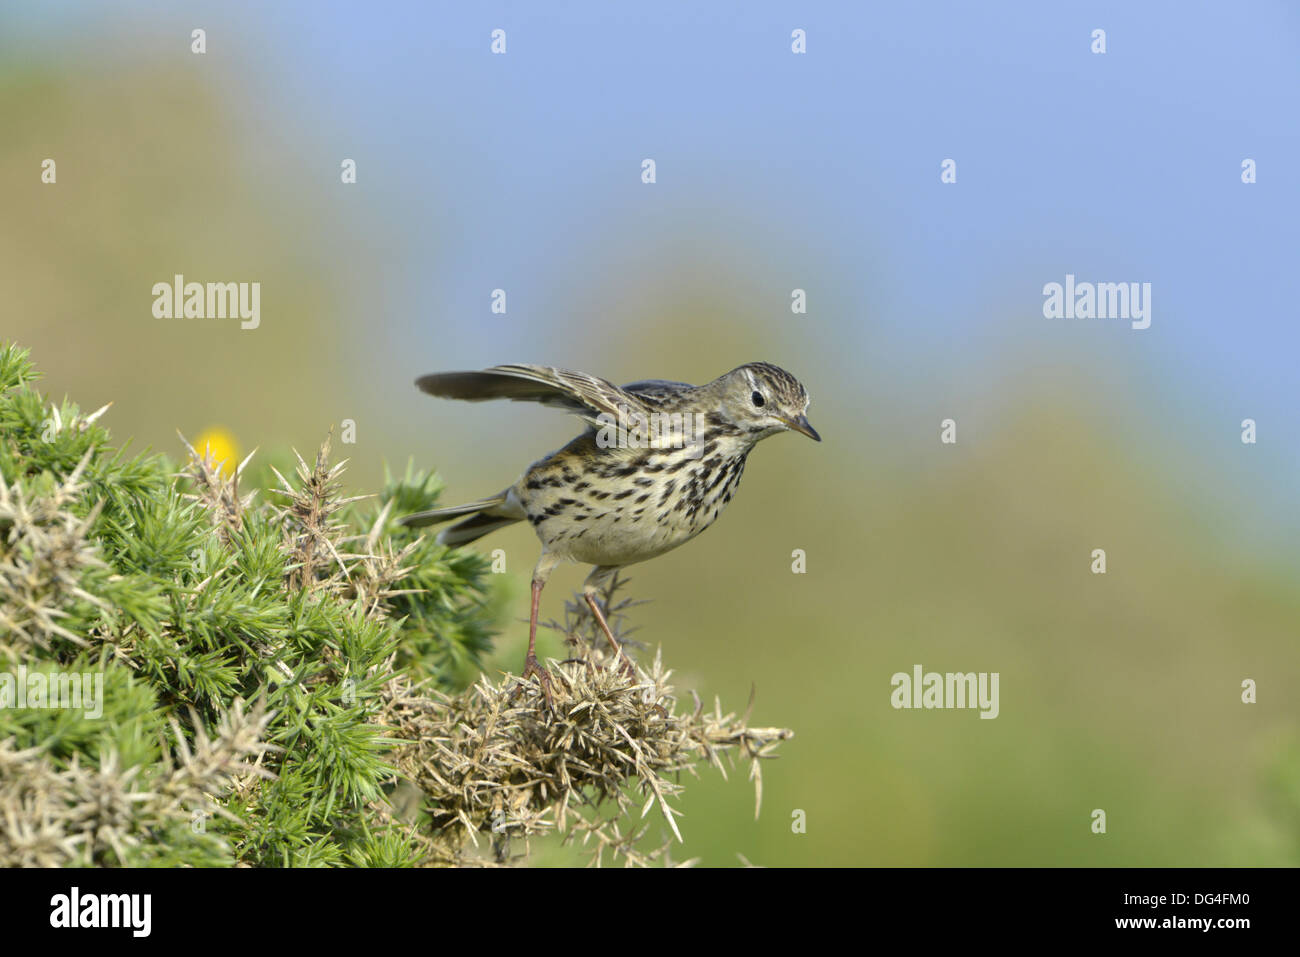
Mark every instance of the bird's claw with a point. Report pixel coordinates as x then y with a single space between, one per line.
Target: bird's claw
533 667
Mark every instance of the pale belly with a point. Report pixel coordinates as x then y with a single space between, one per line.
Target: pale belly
610 542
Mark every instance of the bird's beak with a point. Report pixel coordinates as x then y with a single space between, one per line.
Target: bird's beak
801 425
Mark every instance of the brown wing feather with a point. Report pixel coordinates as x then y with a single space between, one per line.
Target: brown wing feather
577 392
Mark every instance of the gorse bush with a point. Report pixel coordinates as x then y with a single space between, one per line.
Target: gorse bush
195 673
189 598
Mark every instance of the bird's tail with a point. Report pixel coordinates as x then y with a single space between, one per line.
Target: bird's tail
485 515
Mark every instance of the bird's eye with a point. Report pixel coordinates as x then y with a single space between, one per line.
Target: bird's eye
757 399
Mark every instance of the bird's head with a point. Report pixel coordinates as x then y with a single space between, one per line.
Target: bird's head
761 400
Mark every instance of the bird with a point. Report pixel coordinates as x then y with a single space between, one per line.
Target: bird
655 467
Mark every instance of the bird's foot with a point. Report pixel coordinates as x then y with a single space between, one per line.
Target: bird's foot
532 667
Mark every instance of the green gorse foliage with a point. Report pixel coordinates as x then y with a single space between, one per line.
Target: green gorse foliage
253 636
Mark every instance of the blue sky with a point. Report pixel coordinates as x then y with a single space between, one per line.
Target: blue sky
1119 165
1122 167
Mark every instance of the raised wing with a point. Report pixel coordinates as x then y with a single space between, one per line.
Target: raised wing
586 396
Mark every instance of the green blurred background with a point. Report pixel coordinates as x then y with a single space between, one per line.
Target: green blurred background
776 172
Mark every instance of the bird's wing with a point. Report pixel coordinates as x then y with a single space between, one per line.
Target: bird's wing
584 395
656 393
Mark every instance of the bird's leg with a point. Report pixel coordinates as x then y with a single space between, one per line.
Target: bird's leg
589 592
531 665
628 668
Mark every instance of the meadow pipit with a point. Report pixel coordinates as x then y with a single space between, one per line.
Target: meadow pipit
656 467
